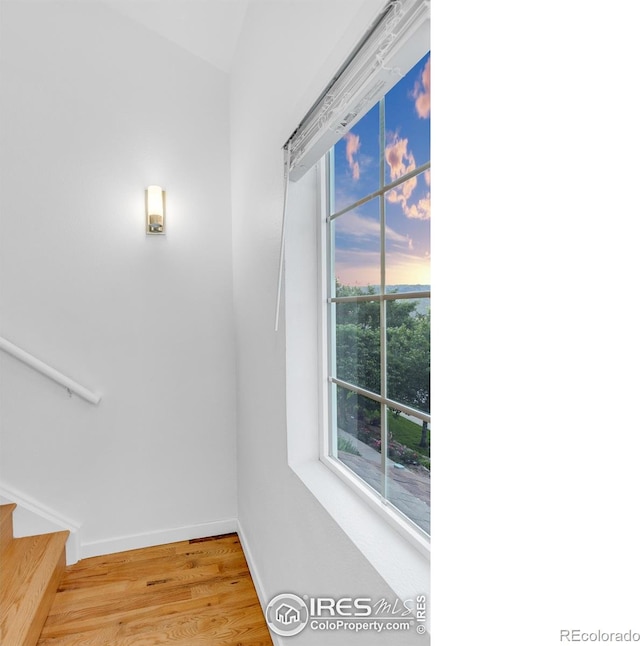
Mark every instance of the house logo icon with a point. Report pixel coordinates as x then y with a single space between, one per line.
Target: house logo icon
287 615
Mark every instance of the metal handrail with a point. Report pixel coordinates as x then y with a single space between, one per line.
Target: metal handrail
35 363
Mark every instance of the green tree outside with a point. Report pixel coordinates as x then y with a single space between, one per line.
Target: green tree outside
358 355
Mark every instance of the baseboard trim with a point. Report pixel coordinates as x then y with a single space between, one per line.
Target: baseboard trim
257 581
255 575
49 515
157 537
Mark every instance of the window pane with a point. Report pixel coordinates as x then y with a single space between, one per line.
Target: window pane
409 352
357 343
408 122
390 142
358 427
356 165
408 234
356 236
408 470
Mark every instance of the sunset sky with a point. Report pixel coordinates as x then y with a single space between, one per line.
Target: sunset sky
407 135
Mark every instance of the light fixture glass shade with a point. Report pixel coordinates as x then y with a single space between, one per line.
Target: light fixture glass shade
155 210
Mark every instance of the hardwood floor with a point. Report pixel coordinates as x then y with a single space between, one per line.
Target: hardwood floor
183 594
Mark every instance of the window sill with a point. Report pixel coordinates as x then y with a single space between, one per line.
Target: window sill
404 564
381 507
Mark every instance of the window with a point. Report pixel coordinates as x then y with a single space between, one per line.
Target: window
378 306
371 124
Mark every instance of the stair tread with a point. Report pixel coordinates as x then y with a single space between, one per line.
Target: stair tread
6 510
6 525
31 567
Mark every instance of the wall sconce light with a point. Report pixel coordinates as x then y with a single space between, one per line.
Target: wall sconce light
155 198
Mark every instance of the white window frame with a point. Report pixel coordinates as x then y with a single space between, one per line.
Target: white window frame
399 553
328 438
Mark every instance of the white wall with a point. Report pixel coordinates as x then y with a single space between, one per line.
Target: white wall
94 108
287 54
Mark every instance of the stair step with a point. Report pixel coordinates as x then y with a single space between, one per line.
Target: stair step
31 571
6 525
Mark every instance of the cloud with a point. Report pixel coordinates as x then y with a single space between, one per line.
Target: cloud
353 146
357 234
357 253
358 226
421 210
398 239
406 189
398 157
401 161
422 92
366 231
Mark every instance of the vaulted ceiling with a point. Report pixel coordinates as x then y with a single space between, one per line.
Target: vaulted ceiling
207 28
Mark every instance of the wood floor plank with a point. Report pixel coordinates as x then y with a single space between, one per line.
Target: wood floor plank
232 620
174 586
132 606
183 594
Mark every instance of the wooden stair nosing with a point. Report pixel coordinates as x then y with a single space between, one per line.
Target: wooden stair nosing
33 566
6 524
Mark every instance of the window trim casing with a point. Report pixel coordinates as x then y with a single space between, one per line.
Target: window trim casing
403 567
328 440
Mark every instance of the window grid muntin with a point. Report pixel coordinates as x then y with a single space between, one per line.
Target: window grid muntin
390 403
384 422
382 298
385 189
344 469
